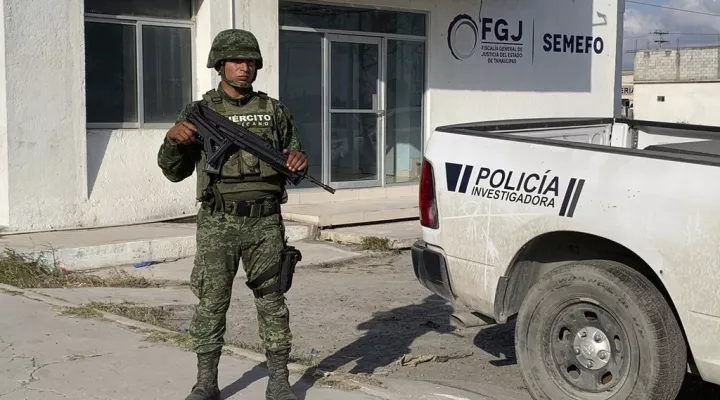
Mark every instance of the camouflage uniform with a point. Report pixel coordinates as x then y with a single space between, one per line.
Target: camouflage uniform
239 220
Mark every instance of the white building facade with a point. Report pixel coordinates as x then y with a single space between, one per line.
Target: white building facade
89 88
678 85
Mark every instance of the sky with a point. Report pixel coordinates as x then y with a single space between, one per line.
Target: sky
691 29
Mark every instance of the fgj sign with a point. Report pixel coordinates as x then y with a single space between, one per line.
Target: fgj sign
507 41
500 40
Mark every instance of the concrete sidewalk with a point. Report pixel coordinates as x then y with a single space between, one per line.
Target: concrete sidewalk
44 355
88 249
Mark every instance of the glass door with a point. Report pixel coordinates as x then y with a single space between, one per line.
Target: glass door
354 109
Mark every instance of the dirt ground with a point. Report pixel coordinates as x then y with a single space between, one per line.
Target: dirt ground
364 316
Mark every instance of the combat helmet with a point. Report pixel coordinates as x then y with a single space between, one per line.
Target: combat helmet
234 44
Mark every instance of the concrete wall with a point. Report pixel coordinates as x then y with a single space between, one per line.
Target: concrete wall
695 103
125 184
261 18
61 175
689 80
45 111
685 64
547 81
4 183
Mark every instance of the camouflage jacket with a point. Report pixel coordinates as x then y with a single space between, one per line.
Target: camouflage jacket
239 182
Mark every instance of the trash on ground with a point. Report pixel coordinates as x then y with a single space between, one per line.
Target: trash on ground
322 373
415 360
145 264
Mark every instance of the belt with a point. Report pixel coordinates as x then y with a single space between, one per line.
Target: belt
253 208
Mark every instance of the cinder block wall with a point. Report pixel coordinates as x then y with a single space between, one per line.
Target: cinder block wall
678 65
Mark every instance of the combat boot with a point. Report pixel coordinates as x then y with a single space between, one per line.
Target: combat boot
278 383
206 387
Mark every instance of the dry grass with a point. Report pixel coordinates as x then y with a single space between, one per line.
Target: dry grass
376 244
330 382
94 309
256 347
81 312
27 273
181 340
148 315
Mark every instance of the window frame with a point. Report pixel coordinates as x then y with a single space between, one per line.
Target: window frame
139 23
385 38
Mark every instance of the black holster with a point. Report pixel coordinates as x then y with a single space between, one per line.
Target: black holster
284 271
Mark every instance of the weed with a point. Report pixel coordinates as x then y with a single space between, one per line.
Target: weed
256 347
25 272
330 382
94 309
376 244
181 340
148 315
81 312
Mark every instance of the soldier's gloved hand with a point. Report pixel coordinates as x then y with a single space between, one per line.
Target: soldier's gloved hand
182 133
297 161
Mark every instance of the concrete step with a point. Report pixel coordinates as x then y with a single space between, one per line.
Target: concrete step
398 235
85 249
353 212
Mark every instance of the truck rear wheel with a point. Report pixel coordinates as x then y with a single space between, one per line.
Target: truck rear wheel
596 330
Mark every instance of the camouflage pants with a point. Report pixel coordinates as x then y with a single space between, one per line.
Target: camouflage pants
222 241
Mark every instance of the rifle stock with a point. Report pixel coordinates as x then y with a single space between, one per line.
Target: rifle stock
219 134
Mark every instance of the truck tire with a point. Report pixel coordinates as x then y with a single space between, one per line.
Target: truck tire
597 330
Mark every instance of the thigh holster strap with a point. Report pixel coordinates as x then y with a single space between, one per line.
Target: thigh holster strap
284 271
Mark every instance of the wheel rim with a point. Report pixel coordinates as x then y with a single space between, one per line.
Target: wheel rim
589 348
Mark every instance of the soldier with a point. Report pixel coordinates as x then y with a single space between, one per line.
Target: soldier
239 217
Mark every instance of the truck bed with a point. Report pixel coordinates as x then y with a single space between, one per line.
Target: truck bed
688 143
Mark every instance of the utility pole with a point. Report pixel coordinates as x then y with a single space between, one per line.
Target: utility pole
662 40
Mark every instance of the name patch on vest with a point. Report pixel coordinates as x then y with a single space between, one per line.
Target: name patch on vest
251 120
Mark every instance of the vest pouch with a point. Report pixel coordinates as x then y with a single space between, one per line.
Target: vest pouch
234 166
265 170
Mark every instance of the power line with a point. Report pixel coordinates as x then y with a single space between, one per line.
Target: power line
673 8
674 33
694 34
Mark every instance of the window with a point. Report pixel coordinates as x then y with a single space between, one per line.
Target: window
322 16
138 62
375 45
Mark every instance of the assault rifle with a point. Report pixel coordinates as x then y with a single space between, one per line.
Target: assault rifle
218 134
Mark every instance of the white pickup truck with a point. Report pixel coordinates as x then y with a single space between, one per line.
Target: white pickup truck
606 253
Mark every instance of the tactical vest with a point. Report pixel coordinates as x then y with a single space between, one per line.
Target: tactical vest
242 171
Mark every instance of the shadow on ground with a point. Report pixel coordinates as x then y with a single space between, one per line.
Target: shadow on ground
257 373
388 337
499 340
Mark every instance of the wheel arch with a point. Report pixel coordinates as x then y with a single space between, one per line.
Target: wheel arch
550 250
